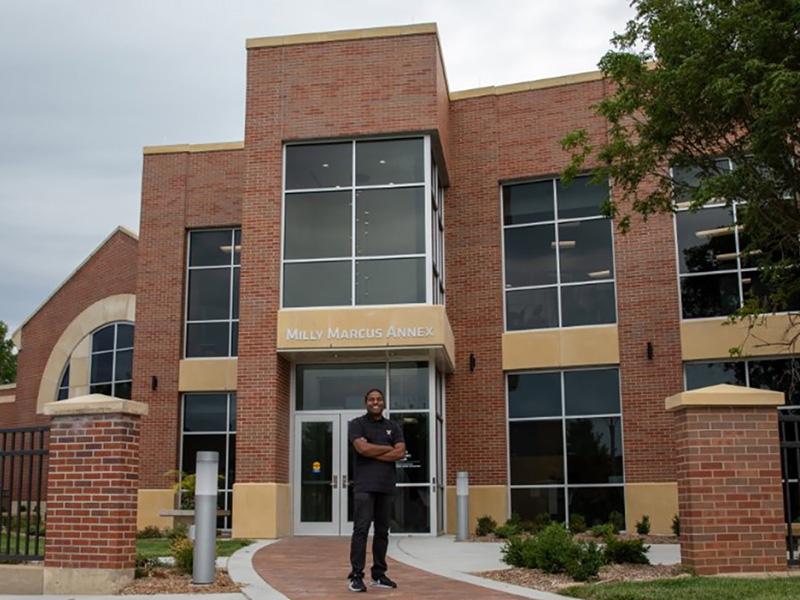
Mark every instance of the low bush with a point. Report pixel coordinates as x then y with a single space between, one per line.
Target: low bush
616 520
182 551
676 525
144 564
507 531
149 533
486 525
602 531
554 551
643 526
577 523
625 551
179 532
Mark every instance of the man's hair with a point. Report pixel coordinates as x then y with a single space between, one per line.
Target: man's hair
366 396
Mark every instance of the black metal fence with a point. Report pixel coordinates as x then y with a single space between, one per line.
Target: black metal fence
23 459
789 423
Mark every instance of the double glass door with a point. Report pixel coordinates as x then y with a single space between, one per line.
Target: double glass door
323 472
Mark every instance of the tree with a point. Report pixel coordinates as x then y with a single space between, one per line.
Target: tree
693 81
8 358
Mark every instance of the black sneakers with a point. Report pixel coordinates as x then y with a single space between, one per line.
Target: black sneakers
384 582
357 584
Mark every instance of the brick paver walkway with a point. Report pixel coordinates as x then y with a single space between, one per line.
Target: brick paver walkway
316 567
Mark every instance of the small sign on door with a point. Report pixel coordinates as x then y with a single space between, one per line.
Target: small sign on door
316 467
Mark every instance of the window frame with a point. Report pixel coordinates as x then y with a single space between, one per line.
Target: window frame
555 222
114 352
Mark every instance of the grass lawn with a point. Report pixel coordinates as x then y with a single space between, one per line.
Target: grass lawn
31 548
151 548
693 588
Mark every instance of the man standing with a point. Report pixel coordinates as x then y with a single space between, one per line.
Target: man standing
378 443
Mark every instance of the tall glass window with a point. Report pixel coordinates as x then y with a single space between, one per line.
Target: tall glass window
356 223
111 371
212 303
209 425
559 259
565 444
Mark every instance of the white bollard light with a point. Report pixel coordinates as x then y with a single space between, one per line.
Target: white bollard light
205 518
462 506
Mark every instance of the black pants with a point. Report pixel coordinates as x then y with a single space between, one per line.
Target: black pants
370 507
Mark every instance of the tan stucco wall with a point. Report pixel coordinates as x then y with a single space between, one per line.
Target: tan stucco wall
25 580
489 500
706 339
121 307
659 501
207 375
558 348
263 510
149 503
85 581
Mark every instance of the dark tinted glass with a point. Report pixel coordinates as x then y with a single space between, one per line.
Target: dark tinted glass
585 251
709 295
192 444
390 281
593 392
390 161
124 366
209 294
594 449
416 431
103 388
706 241
528 203
411 510
237 246
700 375
103 339
390 221
581 198
123 390
235 338
316 284
205 412
408 385
232 423
536 452
754 285
318 225
319 166
102 367
534 395
210 248
236 280
596 503
528 504
206 339
530 256
531 309
588 305
231 462
781 375
337 387
124 335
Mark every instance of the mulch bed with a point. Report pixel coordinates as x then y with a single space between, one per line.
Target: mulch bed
172 581
648 539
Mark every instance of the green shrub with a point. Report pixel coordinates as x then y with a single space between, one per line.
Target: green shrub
542 521
643 526
625 551
577 523
179 532
507 531
676 525
149 533
182 551
486 525
144 565
616 520
554 551
602 531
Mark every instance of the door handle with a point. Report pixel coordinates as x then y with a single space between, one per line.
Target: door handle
344 482
334 483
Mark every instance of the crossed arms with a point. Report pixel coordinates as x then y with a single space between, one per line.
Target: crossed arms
384 453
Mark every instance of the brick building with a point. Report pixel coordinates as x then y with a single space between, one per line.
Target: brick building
375 229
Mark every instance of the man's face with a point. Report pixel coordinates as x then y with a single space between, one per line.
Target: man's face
375 404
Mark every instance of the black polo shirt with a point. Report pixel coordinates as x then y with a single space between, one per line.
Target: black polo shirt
371 474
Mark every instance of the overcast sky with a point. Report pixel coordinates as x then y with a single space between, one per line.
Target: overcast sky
85 84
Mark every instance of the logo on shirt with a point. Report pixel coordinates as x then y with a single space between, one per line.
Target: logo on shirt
389 432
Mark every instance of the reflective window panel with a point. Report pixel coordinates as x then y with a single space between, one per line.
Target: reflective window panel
316 284
532 309
536 452
319 166
529 503
581 198
534 395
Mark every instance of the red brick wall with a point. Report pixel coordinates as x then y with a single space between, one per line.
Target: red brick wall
180 191
110 271
729 489
91 499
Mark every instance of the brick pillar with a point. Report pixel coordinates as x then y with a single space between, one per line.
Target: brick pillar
93 476
729 480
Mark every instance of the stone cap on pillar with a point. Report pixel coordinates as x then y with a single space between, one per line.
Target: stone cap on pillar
95 404
724 395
